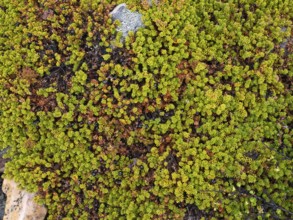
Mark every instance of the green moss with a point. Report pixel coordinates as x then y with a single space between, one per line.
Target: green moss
190 116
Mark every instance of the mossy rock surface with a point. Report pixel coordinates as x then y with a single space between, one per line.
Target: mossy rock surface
191 116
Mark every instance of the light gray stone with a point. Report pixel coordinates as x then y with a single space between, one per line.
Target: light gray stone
130 21
153 1
284 43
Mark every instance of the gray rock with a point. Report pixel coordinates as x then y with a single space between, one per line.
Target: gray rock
150 2
2 160
284 43
130 21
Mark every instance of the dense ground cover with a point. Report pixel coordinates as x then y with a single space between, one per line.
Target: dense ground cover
190 116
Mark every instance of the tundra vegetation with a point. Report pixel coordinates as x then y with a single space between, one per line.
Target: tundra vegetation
189 116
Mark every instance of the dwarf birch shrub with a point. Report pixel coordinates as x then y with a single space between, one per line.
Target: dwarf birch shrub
189 116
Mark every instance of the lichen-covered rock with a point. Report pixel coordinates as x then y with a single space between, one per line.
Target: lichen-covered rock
130 21
20 204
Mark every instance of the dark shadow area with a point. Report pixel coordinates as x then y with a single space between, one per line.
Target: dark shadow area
2 199
2 195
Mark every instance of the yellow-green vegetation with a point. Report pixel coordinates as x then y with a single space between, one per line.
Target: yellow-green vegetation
190 116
